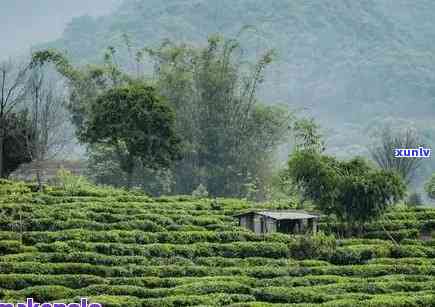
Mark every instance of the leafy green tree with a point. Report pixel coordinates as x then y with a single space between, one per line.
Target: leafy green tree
306 137
137 123
96 90
351 190
17 141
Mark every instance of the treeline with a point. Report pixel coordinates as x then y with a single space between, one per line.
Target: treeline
195 126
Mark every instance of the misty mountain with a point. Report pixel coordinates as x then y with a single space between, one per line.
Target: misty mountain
354 65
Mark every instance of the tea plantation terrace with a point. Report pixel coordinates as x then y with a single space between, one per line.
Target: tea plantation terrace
127 249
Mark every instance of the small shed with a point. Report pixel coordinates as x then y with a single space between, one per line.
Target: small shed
284 221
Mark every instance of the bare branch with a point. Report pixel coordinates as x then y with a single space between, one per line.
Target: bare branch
383 152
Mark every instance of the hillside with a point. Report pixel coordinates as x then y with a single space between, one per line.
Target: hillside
126 249
354 65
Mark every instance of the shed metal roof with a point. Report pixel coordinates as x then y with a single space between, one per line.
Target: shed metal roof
283 215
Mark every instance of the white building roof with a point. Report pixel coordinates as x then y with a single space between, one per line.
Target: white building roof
284 215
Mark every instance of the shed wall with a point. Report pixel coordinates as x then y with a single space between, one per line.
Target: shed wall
261 224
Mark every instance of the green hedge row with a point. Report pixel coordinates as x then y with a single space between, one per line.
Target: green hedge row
314 294
236 249
140 237
367 270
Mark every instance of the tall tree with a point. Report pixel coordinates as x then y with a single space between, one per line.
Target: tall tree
48 116
12 92
228 135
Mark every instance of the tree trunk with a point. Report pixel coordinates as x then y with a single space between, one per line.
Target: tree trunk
360 231
38 176
130 171
349 229
130 179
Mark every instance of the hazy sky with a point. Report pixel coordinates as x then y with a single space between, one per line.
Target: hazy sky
26 22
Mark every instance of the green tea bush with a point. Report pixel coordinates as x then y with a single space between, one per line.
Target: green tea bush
290 295
204 287
10 187
403 251
22 281
123 290
126 249
108 300
355 254
398 235
219 299
319 246
10 247
43 293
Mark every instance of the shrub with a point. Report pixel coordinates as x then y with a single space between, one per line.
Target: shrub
22 281
116 301
206 287
10 247
8 187
318 246
397 235
290 295
357 254
44 293
405 251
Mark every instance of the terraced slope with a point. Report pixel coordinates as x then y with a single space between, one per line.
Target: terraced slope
123 249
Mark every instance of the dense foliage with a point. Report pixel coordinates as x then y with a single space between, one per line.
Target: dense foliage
229 137
104 166
117 248
229 140
351 190
133 120
18 142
